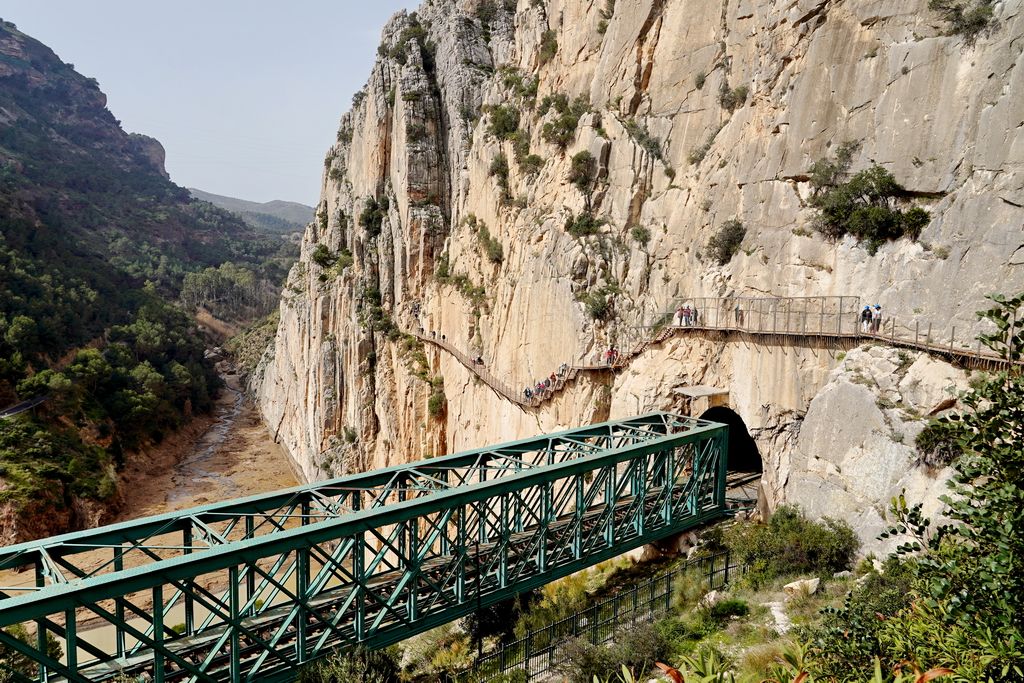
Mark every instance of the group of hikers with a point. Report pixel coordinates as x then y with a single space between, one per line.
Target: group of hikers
871 318
544 388
687 316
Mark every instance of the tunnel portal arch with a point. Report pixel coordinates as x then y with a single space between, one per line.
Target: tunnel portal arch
744 456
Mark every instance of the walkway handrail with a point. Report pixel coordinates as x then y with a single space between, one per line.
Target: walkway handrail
822 317
835 318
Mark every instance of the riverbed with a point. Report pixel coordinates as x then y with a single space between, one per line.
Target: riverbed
234 457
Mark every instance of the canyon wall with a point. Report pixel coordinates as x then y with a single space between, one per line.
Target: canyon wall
433 216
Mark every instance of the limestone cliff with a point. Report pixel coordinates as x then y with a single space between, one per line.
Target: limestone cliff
436 213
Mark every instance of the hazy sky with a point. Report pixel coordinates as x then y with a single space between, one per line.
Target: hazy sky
245 95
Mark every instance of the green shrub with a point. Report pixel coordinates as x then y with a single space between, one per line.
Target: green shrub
415 34
486 12
345 259
322 256
863 206
969 19
643 137
531 164
700 79
848 639
519 84
492 247
730 607
504 121
968 587
724 244
583 225
500 171
791 544
437 403
600 303
732 99
637 648
372 216
520 145
641 235
416 132
697 154
561 131
937 445
13 662
583 173
548 47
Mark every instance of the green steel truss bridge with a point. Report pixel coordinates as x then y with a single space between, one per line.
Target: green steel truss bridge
251 589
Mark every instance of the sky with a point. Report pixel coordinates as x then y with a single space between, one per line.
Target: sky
245 95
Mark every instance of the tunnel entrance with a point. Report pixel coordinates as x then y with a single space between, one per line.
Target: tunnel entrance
743 453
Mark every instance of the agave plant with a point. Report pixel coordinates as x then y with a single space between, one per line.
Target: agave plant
710 667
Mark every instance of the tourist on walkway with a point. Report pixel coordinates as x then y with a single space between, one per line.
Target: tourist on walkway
694 315
553 379
563 369
865 318
876 319
527 393
679 317
686 316
739 315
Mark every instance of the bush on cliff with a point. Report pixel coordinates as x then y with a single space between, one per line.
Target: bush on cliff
969 19
726 241
864 205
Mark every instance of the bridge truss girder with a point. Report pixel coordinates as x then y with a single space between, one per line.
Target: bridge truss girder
253 589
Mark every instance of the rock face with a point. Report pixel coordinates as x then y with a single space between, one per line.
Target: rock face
856 448
434 214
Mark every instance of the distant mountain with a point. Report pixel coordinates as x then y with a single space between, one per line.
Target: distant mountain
277 217
97 249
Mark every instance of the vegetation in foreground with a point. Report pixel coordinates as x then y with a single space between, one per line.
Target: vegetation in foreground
949 603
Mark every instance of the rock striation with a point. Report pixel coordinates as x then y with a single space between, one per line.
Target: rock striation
451 202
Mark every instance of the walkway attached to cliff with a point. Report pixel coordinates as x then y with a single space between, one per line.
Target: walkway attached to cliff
832 322
254 589
23 407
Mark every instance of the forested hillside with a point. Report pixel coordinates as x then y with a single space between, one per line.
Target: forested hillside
95 243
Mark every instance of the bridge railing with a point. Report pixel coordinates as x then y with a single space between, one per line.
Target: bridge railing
442 543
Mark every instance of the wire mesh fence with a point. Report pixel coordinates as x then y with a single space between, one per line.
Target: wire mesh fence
540 651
